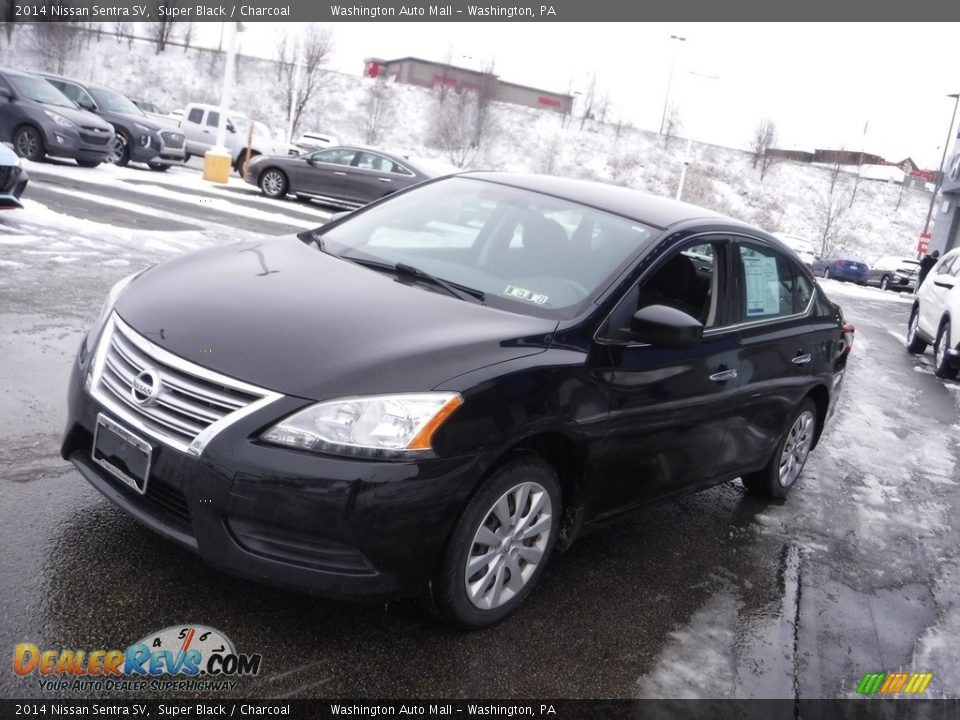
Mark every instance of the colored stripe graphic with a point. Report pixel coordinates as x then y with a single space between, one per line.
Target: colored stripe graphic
893 683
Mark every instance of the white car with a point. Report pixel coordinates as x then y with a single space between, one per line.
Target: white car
805 249
936 307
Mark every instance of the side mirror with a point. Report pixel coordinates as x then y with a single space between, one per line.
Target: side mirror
664 326
231 127
87 105
6 93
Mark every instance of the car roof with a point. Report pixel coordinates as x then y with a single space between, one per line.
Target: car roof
660 212
21 73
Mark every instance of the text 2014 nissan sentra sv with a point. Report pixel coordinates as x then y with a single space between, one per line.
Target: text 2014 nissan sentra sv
430 394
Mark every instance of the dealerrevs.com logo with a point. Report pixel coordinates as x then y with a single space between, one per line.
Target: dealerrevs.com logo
183 657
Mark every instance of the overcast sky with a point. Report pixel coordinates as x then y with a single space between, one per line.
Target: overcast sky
819 82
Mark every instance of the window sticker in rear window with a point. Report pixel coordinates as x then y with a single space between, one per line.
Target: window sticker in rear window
762 280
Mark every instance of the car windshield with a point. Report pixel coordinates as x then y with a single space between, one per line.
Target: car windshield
39 90
530 253
112 101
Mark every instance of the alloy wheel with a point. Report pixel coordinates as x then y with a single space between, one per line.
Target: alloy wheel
272 183
508 546
796 448
118 149
28 143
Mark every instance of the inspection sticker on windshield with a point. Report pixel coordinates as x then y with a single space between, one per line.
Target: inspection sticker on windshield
524 294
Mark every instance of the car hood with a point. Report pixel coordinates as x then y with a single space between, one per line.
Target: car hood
129 119
289 318
81 117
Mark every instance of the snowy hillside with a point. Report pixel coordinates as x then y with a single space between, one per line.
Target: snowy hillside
788 199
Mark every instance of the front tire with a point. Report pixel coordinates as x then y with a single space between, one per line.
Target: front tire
273 183
915 344
826 273
158 167
28 143
944 366
500 545
790 456
88 163
120 151
885 282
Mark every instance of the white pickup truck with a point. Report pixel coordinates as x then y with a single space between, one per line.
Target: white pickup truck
199 125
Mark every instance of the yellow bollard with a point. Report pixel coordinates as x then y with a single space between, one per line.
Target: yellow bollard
216 167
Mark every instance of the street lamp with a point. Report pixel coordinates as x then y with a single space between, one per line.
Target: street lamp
939 179
666 100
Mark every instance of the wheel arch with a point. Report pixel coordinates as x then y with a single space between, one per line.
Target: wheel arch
29 123
821 400
280 170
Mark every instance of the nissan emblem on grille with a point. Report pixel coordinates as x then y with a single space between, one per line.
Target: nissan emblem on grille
146 387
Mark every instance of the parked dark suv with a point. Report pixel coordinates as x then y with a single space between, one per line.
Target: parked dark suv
428 394
138 138
39 120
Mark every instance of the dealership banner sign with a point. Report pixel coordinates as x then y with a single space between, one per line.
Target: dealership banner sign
466 11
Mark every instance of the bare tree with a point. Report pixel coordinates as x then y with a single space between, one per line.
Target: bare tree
830 208
769 157
589 98
9 15
162 30
187 35
302 69
379 111
123 31
56 42
764 137
465 122
672 124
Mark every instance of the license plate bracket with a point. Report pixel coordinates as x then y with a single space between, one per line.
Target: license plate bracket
121 453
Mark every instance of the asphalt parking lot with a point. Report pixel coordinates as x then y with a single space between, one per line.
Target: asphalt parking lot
718 595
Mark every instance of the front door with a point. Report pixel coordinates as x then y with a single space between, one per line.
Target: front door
668 407
324 172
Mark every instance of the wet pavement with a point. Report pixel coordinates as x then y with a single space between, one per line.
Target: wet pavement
717 595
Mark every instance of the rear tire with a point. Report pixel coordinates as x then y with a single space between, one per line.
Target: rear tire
788 459
28 143
944 366
885 282
500 545
915 344
158 167
826 273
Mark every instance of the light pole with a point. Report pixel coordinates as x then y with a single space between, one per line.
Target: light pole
946 145
686 152
666 100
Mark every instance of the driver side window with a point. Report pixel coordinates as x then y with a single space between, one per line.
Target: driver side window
688 279
336 156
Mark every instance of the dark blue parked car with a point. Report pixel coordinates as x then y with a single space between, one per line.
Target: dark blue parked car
841 267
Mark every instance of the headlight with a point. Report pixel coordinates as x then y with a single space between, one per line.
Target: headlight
60 119
376 425
111 300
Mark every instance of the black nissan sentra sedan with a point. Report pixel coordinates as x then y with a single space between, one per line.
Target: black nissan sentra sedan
430 394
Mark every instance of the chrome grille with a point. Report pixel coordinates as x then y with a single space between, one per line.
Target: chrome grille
172 139
190 405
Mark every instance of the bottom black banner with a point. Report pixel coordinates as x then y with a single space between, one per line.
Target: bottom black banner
547 709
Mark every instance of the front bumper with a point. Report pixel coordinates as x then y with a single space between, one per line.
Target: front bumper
77 143
156 151
330 526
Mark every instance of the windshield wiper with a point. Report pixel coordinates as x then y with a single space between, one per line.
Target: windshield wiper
458 291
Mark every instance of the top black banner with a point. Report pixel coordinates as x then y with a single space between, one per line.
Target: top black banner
469 11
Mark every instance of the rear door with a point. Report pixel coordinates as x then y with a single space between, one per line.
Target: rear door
370 177
193 130
782 346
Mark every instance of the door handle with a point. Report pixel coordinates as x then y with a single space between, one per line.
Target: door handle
385 180
938 283
802 359
724 375
337 172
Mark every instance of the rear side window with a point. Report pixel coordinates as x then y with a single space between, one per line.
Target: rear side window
771 285
213 118
195 116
